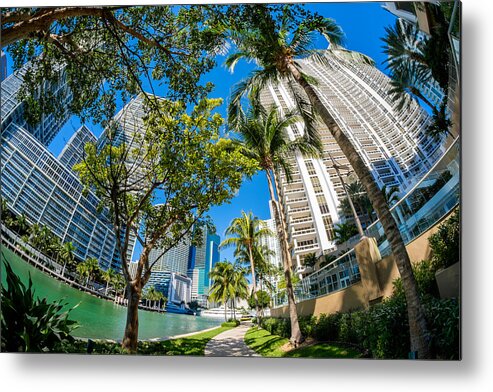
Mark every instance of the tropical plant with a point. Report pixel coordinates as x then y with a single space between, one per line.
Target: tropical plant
245 234
391 194
154 295
310 259
108 276
222 288
344 232
264 138
67 254
29 323
276 43
240 284
445 243
177 157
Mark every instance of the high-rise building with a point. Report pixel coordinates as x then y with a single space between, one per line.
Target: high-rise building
174 260
45 188
392 143
272 242
202 260
36 184
3 66
73 151
12 110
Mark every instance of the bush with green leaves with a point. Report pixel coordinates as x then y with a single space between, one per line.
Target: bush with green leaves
230 323
445 243
31 324
383 330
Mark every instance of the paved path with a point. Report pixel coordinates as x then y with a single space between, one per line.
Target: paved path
230 344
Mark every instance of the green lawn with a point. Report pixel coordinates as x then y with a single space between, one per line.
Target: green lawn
269 345
190 345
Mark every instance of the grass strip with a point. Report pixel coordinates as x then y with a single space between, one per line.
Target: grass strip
268 345
189 345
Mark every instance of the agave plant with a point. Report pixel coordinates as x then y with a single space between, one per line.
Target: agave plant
31 324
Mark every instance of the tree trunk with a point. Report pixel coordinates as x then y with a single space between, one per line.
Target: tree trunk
296 336
131 335
254 282
418 329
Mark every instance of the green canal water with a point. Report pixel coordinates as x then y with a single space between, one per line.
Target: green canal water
99 318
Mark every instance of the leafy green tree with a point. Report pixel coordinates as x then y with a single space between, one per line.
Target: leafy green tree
223 284
275 42
160 186
31 324
107 53
264 138
244 234
263 300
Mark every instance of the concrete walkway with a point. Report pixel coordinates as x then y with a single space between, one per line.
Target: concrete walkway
230 344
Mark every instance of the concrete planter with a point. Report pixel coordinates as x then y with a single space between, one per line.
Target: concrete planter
448 281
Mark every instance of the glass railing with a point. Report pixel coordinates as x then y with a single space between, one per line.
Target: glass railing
428 201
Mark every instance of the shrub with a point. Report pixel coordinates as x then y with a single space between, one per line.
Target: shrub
277 326
327 327
230 323
306 325
445 243
29 323
443 317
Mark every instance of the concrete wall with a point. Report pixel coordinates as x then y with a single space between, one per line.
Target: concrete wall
361 294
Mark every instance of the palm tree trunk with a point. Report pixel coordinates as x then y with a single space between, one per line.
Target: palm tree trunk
418 329
254 282
296 336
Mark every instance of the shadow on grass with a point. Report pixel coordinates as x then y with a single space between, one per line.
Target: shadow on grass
269 345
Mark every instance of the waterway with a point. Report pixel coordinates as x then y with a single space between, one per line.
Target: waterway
99 318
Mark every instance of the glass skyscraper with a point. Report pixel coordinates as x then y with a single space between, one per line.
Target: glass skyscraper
45 188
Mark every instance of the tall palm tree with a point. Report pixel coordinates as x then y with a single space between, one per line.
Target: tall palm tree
222 288
67 254
264 138
108 276
240 284
276 45
245 233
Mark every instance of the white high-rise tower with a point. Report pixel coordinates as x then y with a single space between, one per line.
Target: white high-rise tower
391 142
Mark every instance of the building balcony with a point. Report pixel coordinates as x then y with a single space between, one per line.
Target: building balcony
297 211
306 248
294 191
297 221
295 201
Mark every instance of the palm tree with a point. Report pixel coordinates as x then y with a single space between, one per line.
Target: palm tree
67 255
275 45
310 259
222 288
391 194
108 276
245 234
240 284
344 232
22 224
265 139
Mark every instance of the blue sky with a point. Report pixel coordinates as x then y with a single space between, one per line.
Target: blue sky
363 25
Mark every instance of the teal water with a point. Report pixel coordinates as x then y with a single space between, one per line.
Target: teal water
99 318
